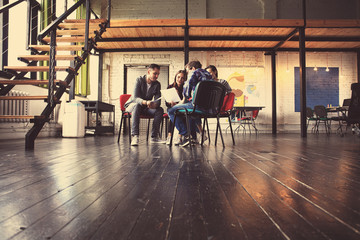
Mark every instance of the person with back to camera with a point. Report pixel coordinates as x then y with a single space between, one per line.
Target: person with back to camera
146 88
195 75
178 84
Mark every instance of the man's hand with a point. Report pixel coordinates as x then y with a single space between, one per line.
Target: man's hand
151 105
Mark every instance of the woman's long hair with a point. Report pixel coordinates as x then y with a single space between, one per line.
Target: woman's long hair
180 71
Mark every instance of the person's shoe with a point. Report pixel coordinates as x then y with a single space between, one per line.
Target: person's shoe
135 140
156 140
185 142
178 140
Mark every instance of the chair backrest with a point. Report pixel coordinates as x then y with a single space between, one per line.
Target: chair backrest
228 102
123 100
354 108
346 102
309 113
255 113
320 111
209 95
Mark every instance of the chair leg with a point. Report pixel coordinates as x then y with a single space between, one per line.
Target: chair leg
232 134
208 131
216 133
121 122
147 133
202 134
218 123
129 130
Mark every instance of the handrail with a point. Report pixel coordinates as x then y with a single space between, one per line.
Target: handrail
55 23
10 5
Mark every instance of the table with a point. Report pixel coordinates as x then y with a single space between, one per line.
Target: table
341 116
98 107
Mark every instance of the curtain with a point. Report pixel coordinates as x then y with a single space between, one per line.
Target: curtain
82 80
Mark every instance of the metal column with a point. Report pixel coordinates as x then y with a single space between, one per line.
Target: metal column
273 87
186 34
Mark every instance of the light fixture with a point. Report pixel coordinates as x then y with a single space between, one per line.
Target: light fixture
315 68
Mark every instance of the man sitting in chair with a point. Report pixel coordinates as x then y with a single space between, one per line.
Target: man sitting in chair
140 103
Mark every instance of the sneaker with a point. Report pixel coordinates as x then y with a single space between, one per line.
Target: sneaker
186 142
135 140
157 140
178 140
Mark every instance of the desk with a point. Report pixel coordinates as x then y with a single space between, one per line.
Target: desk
341 116
98 107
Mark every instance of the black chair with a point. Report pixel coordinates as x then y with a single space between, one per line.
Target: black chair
321 115
207 99
311 117
353 117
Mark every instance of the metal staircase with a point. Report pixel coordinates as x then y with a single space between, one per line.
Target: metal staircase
61 35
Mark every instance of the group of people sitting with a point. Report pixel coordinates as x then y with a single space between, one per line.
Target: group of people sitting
148 88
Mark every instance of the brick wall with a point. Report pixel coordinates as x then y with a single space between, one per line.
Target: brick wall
253 65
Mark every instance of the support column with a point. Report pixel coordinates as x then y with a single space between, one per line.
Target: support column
4 35
186 34
273 87
358 66
302 62
101 55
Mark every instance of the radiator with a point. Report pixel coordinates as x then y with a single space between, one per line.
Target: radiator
14 107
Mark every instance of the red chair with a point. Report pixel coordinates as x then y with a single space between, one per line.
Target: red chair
250 120
127 115
124 114
225 112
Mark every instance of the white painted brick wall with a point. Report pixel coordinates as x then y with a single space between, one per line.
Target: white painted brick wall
288 119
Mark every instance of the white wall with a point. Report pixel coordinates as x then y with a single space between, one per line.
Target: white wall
253 65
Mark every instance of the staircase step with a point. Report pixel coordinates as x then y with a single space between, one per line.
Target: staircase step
100 20
58 48
27 82
93 26
36 68
47 57
76 32
21 117
67 39
23 97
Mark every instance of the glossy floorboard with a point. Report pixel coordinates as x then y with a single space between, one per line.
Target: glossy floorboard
265 187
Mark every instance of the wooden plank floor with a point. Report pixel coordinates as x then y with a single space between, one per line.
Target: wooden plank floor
265 187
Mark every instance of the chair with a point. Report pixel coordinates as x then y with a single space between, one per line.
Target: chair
225 112
124 114
208 99
353 117
321 114
250 120
310 117
127 115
